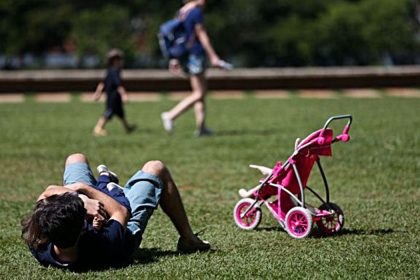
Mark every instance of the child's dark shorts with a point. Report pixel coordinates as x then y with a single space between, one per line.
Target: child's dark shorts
114 106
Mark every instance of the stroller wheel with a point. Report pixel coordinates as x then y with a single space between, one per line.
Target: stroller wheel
331 224
251 219
299 222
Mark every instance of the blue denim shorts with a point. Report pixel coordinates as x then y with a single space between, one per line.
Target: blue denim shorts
79 172
194 64
143 190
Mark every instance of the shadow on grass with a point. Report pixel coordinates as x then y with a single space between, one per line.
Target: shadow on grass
140 257
150 255
279 228
377 232
346 231
317 234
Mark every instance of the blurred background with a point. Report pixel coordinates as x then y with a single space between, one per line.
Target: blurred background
37 34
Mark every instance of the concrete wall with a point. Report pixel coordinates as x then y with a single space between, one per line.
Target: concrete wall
238 79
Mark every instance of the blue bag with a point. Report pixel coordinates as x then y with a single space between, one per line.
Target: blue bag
173 39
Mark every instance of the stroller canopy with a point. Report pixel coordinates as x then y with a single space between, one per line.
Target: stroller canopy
318 143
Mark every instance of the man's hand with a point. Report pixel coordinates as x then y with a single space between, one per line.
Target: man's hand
112 207
94 208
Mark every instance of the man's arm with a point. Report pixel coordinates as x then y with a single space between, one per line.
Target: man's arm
94 208
115 210
53 189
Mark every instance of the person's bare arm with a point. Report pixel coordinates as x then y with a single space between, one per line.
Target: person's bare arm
115 210
123 92
99 90
53 189
201 33
94 208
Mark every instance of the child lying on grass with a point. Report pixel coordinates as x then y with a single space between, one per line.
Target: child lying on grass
108 183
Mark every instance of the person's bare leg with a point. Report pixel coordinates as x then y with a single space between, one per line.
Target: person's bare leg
172 205
100 127
200 114
101 122
198 91
170 200
200 105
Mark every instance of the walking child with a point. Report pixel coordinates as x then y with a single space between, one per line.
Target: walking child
115 94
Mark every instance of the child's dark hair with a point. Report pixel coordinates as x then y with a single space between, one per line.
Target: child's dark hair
58 219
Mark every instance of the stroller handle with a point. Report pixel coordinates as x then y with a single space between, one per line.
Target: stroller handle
345 134
339 117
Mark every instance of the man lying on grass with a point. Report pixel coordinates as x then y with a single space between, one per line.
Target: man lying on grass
59 232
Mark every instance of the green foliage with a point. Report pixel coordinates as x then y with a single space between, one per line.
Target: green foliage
374 178
33 26
340 33
290 47
250 33
363 32
92 38
390 28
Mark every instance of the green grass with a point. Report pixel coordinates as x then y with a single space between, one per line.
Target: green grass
374 178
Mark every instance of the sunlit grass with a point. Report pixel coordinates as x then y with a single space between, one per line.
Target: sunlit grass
374 178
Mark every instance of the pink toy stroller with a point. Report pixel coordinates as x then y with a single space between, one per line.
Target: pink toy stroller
288 182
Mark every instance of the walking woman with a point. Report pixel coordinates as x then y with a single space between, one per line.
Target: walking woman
194 65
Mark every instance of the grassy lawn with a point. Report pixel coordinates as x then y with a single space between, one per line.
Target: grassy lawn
374 178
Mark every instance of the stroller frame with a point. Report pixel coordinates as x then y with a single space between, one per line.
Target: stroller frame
327 213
